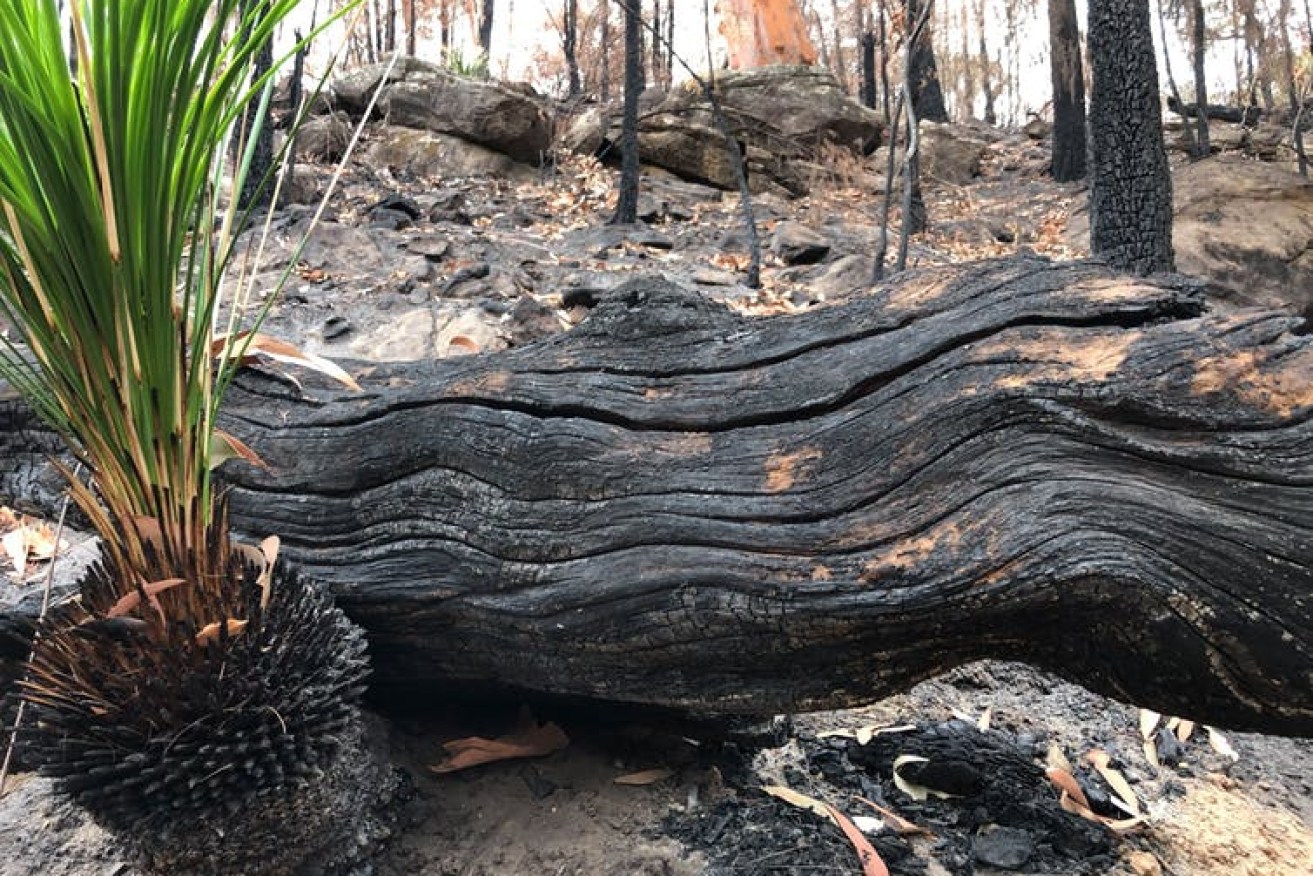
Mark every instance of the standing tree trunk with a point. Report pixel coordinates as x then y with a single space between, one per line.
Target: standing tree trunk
412 28
1130 185
255 188
626 208
391 28
927 99
569 41
1068 92
485 28
605 87
1201 148
762 32
868 69
986 72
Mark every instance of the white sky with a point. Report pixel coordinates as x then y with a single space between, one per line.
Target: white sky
522 28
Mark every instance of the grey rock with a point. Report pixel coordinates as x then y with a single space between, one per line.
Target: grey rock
1008 848
795 244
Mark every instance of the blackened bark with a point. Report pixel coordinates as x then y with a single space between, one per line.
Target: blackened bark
626 208
257 187
678 506
868 69
485 27
569 41
1069 146
1201 146
927 95
1130 182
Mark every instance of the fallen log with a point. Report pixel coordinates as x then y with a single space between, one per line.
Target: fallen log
1239 115
677 506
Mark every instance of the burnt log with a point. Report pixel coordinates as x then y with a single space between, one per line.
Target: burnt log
1239 115
676 506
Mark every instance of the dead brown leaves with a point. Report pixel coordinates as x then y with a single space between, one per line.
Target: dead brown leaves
26 542
530 739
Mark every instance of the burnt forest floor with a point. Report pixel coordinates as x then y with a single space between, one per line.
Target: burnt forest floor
410 267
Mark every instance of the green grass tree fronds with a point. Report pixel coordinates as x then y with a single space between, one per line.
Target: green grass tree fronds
113 246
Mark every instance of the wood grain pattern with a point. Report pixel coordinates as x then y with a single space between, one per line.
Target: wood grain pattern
675 506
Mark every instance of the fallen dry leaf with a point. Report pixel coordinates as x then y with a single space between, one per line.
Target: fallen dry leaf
872 864
644 777
129 601
1220 744
917 792
1124 797
228 447
27 541
535 740
210 632
1148 723
1067 784
1119 825
895 822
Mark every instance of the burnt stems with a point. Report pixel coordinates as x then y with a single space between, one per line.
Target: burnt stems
675 506
239 755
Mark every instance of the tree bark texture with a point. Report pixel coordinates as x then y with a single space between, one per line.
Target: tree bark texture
672 505
1068 92
927 95
485 28
1130 183
1199 47
626 208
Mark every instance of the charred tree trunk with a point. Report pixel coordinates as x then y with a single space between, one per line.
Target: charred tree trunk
1130 183
1199 47
677 506
485 28
927 95
626 208
1068 92
569 42
868 69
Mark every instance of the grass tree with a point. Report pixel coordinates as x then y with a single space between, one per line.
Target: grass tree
193 675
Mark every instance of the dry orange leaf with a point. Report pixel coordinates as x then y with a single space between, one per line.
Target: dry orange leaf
228 447
894 821
1067 784
130 600
645 777
872 864
210 632
1123 824
535 740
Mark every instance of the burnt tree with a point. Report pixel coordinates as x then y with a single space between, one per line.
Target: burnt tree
677 506
626 207
1068 148
927 94
1130 182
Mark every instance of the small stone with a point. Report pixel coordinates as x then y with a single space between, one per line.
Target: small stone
335 327
1007 848
1144 864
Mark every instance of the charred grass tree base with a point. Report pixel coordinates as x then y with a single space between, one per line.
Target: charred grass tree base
204 748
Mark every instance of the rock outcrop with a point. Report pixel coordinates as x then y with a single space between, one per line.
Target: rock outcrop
781 117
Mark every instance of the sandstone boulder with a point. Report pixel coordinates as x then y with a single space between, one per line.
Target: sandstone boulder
951 153
419 95
430 154
1248 227
781 117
